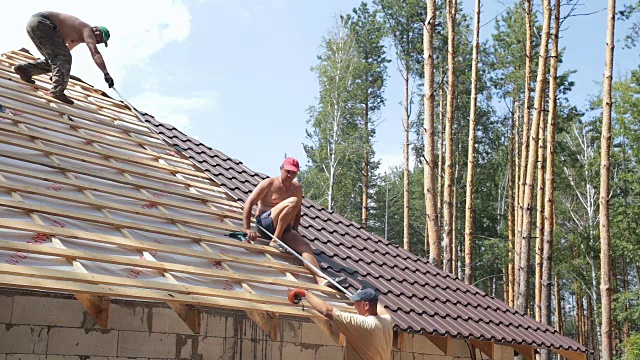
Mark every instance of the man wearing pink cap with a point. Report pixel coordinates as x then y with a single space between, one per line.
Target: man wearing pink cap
279 201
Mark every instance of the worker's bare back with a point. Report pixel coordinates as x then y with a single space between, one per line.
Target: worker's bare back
72 30
275 193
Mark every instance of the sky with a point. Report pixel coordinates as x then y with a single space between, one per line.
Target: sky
235 74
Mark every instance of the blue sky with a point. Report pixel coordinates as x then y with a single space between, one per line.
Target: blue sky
236 73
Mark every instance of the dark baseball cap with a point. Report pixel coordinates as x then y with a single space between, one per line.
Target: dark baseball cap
366 294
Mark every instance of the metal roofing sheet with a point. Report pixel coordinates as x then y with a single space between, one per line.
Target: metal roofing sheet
421 297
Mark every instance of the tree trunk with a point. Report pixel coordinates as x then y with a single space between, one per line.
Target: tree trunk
452 6
559 323
513 202
580 315
525 233
539 217
386 208
429 135
526 113
549 187
605 144
454 232
365 171
471 154
405 224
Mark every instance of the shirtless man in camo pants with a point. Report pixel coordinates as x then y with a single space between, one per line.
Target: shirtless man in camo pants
55 35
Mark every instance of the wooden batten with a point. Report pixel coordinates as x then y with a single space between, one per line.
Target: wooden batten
97 307
266 321
571 355
527 352
189 315
399 340
487 347
441 342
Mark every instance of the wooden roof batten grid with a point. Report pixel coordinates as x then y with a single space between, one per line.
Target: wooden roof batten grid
93 290
119 129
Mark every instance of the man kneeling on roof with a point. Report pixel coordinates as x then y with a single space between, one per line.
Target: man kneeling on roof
369 333
279 201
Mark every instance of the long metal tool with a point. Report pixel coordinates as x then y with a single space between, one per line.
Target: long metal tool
313 268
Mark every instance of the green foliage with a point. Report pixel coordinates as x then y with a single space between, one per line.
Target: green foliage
629 12
632 348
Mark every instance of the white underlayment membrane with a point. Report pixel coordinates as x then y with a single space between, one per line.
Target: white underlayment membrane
48 180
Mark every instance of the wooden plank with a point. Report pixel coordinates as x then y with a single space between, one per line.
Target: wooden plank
571 355
266 321
62 118
189 315
143 245
95 161
441 342
118 179
90 138
79 102
117 207
399 340
97 307
98 279
527 352
137 226
156 265
122 157
139 294
487 347
205 210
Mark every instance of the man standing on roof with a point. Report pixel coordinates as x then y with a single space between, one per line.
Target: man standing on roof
55 35
279 201
369 333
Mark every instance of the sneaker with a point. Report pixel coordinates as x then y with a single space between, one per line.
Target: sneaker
24 74
62 97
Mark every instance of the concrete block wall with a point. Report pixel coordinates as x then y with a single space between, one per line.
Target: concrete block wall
417 347
49 326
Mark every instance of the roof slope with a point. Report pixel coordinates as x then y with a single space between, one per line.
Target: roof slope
421 297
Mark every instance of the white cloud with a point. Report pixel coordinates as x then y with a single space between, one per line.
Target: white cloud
138 29
174 110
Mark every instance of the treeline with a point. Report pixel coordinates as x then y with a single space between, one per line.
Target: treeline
505 187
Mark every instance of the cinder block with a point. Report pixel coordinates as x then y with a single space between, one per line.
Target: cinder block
6 303
165 320
133 318
459 348
290 331
292 351
35 310
66 341
506 352
17 339
23 357
219 326
210 348
3 357
255 349
329 353
184 346
41 339
422 345
149 345
313 334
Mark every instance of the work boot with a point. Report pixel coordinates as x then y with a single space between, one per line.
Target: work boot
61 97
24 74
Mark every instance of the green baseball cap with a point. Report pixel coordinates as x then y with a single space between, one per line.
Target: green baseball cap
105 34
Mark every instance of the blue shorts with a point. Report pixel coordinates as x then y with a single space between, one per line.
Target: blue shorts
266 221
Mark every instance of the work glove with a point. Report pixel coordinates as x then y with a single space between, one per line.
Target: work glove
296 295
108 79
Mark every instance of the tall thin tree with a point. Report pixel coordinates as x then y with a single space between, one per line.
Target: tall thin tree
452 7
605 149
431 198
549 185
525 228
471 153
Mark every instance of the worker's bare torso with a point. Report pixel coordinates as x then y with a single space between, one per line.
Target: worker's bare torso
277 193
71 29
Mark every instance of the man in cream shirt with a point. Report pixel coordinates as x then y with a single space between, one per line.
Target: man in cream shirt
369 333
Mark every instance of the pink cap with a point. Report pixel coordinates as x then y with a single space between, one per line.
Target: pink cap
291 164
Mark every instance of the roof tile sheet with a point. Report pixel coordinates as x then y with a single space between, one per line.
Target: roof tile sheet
421 297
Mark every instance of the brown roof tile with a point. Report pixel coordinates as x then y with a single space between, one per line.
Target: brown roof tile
421 297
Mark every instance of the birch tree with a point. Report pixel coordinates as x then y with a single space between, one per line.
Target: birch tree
605 146
336 140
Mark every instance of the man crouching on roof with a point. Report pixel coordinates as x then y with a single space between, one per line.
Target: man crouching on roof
279 201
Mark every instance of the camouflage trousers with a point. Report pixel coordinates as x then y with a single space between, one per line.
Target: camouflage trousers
57 58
